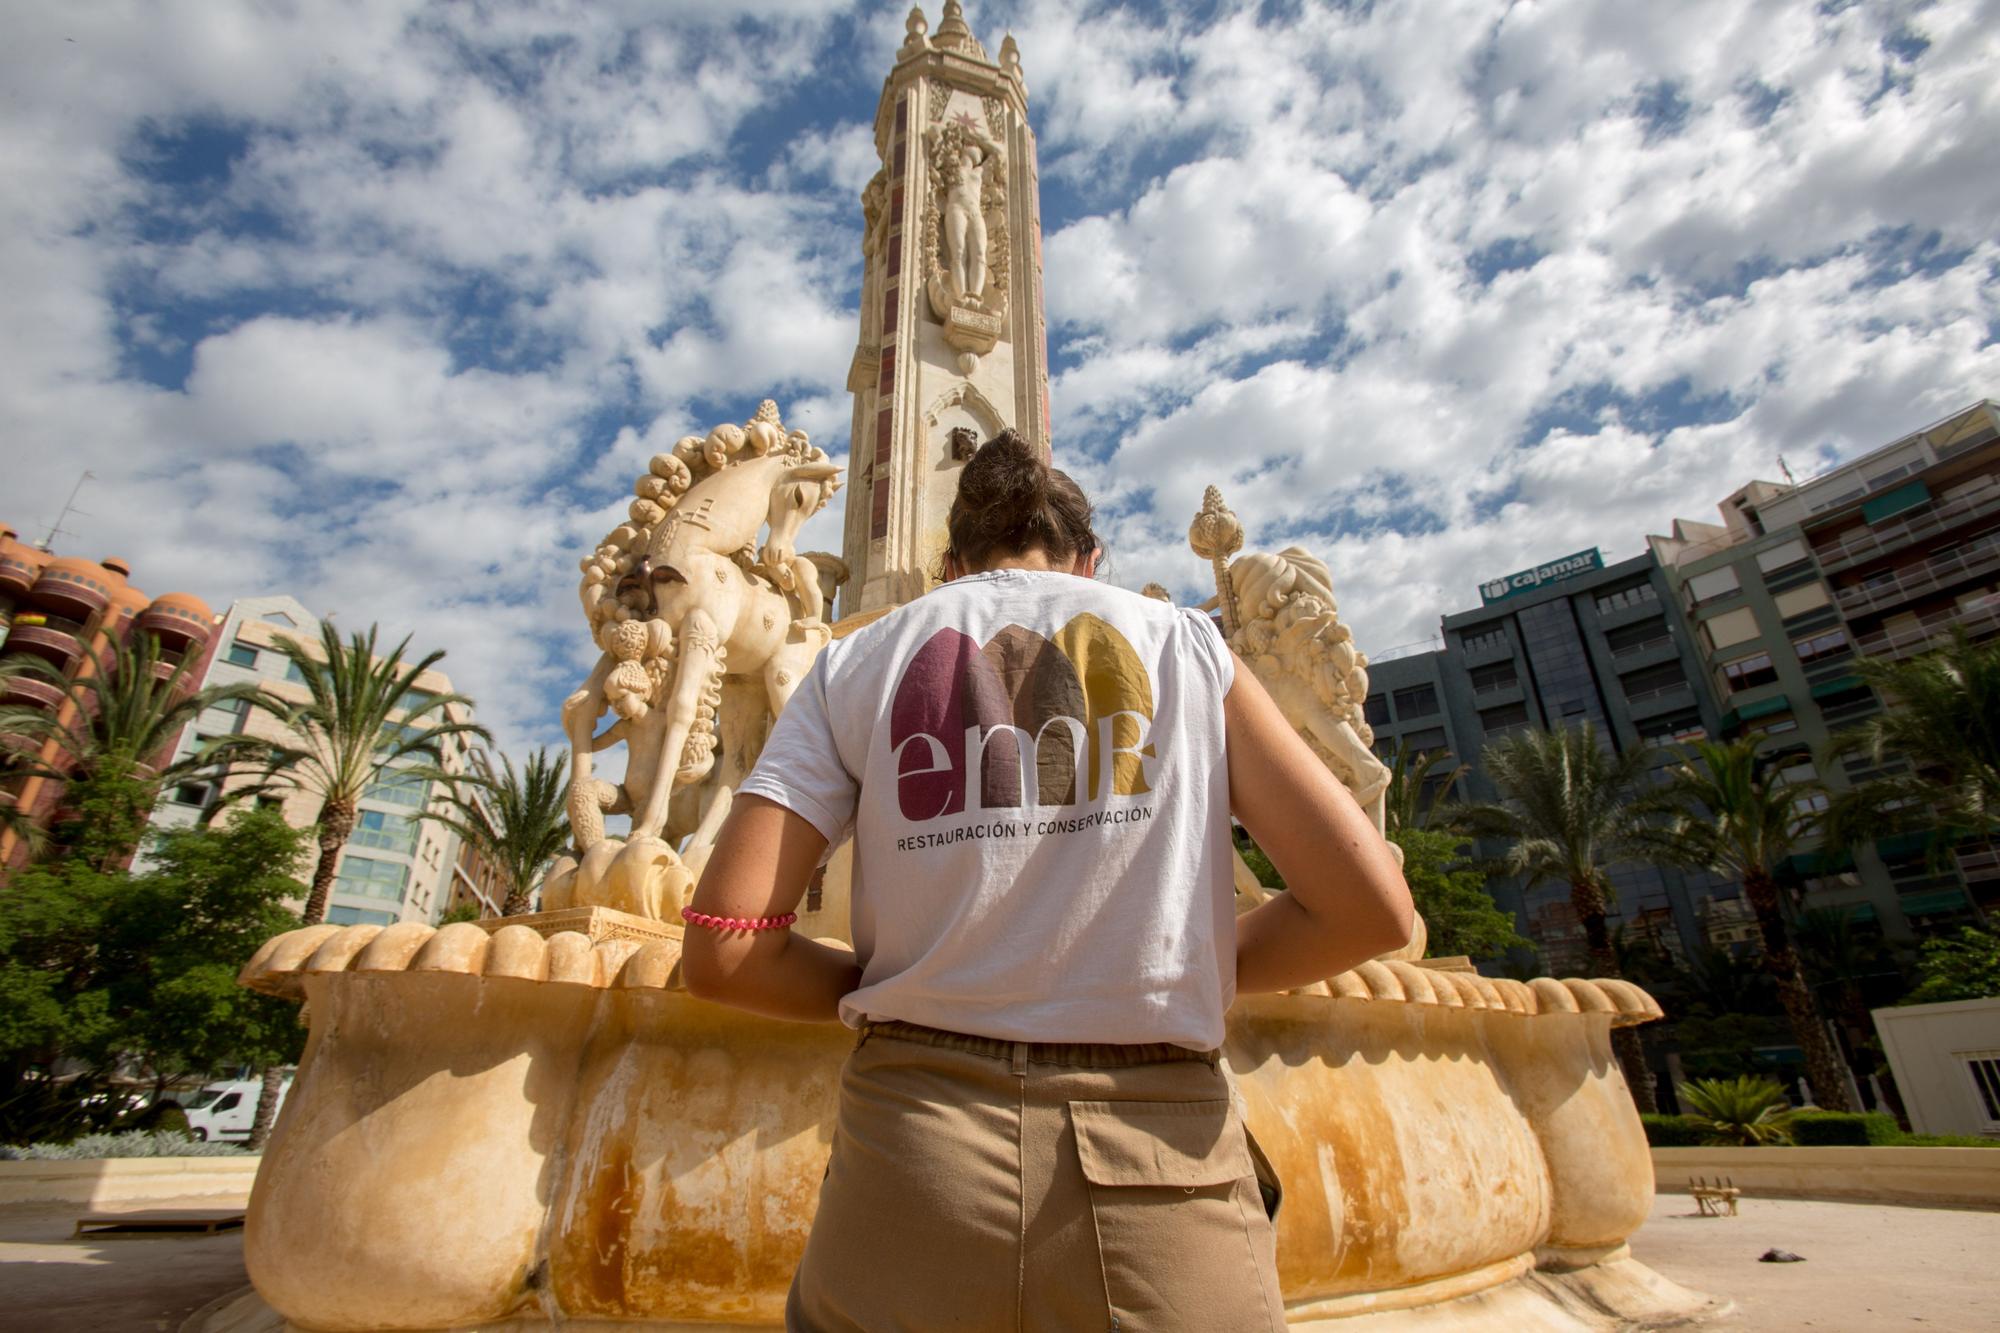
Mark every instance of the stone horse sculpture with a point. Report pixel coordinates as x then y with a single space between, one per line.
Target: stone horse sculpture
687 604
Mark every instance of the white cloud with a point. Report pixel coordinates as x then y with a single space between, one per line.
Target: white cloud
455 273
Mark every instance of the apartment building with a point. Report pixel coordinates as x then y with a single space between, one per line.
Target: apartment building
1883 556
398 866
1567 641
74 614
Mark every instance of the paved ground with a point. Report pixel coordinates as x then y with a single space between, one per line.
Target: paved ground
52 1284
1867 1266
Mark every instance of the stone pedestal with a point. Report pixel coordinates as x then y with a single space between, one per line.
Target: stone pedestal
593 923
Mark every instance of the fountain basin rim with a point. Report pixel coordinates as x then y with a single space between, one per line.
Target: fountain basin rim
519 952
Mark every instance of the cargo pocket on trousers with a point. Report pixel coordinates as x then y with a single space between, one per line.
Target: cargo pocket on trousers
1173 1193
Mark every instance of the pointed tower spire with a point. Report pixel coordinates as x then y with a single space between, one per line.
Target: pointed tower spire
953 346
954 35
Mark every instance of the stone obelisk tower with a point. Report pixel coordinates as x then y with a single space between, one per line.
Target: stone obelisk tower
953 344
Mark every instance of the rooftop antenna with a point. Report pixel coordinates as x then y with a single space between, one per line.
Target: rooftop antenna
1790 480
69 507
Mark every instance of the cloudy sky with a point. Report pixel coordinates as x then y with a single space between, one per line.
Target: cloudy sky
384 304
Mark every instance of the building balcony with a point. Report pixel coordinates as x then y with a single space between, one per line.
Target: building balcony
1939 572
56 642
1901 532
1480 651
1610 618
17 577
66 595
1978 620
175 632
30 692
1979 861
1650 652
1660 699
1502 692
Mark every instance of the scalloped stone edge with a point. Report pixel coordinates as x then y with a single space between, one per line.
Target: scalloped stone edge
569 958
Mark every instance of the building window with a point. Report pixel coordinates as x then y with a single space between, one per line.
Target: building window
1491 679
1703 588
366 877
1795 602
341 915
1747 673
1673 728
1479 638
1632 594
1506 718
293 674
1376 710
1627 640
1416 701
242 654
191 793
1425 741
389 833
279 618
398 789
1822 647
1782 556
1653 682
1730 628
1984 1069
1775 725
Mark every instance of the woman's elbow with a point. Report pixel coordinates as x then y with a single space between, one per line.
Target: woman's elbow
704 974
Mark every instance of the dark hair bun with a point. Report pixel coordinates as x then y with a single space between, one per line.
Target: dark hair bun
1011 501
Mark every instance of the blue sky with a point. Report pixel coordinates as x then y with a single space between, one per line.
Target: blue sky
384 304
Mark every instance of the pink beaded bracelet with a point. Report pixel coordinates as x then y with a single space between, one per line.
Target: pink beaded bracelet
694 918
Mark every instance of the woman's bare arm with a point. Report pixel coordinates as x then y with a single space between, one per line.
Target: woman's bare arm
763 859
1347 901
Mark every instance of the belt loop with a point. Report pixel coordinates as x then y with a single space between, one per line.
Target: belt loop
1020 1058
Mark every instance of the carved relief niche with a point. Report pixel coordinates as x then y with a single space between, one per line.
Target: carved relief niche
958 423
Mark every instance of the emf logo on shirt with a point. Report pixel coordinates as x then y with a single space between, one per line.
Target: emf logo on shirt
1022 720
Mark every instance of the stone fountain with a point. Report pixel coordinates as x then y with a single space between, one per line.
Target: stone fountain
527 1123
524 1123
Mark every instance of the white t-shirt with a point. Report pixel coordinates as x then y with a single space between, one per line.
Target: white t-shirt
1032 767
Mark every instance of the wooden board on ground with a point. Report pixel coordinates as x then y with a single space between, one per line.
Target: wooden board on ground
159 1222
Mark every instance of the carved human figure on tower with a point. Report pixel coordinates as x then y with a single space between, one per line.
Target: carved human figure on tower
963 156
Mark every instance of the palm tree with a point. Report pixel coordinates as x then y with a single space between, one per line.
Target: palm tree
519 821
124 721
1569 814
1945 718
1727 813
1403 802
364 718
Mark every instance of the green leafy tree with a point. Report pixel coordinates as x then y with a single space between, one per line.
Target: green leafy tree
1726 812
1568 814
1745 1112
113 754
465 911
188 926
103 971
1459 915
55 1007
1964 967
365 716
519 821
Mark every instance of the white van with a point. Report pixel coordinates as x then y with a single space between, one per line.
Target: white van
227 1111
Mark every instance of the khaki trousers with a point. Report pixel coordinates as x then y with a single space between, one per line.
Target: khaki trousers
980 1184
